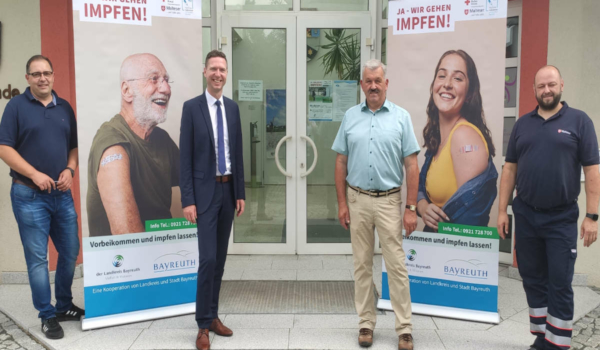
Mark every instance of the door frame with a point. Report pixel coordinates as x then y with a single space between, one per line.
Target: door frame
357 20
267 21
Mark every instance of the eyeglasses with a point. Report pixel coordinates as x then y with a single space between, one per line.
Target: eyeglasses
155 80
37 75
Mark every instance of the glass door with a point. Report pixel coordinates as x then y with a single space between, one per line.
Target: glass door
262 80
330 54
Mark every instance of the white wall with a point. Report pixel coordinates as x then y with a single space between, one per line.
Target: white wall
21 39
574 48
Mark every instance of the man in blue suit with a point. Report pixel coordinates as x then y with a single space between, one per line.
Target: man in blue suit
212 186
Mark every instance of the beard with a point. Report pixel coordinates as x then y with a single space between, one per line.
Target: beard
146 116
548 106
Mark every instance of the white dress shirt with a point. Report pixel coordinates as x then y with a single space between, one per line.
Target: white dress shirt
212 109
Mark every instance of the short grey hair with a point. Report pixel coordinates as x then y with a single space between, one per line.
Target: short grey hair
374 64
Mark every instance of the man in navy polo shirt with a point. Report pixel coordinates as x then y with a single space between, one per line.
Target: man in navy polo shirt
38 141
546 151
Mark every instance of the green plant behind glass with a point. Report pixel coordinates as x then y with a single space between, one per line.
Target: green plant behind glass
343 54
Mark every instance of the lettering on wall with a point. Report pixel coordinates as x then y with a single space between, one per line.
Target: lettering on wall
9 92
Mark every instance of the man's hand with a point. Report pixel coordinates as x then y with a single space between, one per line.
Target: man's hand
344 216
410 221
431 214
65 180
190 213
43 181
240 205
503 224
589 231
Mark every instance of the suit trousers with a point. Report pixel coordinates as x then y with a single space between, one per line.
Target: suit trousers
385 214
214 228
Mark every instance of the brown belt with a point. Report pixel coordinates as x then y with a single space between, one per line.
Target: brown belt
375 193
33 187
224 178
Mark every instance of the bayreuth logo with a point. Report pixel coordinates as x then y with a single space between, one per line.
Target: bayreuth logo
118 261
472 268
181 260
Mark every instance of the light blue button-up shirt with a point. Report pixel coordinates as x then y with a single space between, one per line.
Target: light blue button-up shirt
376 145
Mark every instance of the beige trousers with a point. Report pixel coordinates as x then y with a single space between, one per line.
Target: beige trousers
385 214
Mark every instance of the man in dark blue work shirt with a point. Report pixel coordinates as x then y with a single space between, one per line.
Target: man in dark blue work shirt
38 141
546 151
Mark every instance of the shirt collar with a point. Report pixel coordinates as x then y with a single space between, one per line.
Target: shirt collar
32 98
210 100
559 113
386 105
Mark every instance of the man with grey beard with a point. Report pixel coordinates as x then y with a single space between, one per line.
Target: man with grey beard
133 164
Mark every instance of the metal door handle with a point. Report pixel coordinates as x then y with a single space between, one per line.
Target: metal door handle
314 164
281 169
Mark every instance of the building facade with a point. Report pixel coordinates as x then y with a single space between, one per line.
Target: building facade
290 183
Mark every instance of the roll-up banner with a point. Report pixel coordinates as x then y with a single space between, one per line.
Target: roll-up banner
446 67
136 63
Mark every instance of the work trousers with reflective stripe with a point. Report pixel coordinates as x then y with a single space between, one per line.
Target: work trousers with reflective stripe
546 248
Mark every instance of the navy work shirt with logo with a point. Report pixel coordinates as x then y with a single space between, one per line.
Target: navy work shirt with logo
549 155
42 135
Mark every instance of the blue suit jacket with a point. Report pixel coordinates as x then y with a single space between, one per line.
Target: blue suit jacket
197 153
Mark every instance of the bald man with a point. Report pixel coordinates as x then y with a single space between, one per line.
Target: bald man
545 207
133 164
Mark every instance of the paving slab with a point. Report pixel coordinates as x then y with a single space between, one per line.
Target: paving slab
265 321
248 265
179 322
105 339
478 340
167 339
324 275
297 264
452 324
269 275
233 274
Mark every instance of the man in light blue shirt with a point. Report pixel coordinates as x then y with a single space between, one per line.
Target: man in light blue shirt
376 139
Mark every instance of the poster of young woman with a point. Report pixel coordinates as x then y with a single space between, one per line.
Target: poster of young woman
446 68
136 62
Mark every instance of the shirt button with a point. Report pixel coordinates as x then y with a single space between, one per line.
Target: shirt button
370 152
370 166
371 179
372 126
371 139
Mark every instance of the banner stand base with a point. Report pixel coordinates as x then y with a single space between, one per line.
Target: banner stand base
137 316
444 311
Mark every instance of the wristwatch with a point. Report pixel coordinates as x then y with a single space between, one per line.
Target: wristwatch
592 216
414 208
72 172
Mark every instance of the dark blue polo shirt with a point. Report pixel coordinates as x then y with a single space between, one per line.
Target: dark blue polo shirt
549 155
42 135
